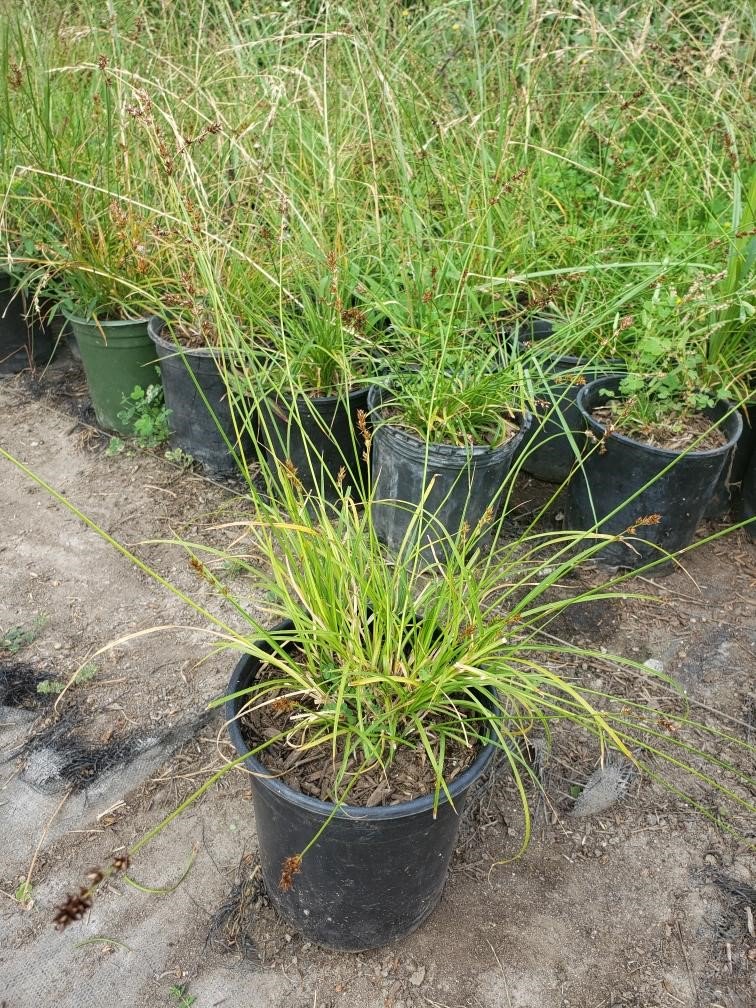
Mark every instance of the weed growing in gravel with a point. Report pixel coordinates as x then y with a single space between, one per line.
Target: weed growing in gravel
16 638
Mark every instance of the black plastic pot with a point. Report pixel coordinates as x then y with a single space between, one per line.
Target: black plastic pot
318 436
375 874
456 485
22 344
680 492
748 497
748 482
552 449
195 392
733 473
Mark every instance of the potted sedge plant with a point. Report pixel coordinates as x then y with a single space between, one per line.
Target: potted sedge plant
323 347
100 277
211 349
591 332
379 695
109 172
658 438
731 347
25 339
567 349
448 419
83 245
448 405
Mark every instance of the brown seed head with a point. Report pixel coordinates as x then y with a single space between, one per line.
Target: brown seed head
290 472
652 519
364 429
283 705
73 909
289 869
15 78
120 862
199 569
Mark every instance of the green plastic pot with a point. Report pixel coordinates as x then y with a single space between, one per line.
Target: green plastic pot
116 356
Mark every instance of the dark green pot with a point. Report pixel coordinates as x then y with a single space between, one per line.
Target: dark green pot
116 356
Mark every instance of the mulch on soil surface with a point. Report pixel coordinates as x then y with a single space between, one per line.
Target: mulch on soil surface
698 431
316 773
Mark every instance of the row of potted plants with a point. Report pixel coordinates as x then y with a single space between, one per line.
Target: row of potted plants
369 329
454 410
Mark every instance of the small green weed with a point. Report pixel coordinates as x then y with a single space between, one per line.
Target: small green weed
115 446
24 892
180 995
179 457
144 412
89 671
18 637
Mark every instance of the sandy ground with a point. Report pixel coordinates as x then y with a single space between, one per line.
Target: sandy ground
643 904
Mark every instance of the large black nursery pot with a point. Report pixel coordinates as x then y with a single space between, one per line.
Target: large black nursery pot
117 356
552 447
319 438
375 874
748 498
23 343
200 418
733 471
748 484
457 485
621 466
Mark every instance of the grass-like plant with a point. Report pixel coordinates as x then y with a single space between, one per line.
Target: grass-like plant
379 658
462 396
480 166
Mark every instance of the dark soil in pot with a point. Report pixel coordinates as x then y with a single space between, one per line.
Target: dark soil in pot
117 356
374 875
460 487
318 439
24 343
615 468
200 419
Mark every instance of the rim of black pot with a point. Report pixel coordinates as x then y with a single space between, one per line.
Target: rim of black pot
570 360
541 327
155 327
734 417
324 808
354 393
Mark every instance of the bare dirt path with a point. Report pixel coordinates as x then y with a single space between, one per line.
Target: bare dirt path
643 904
